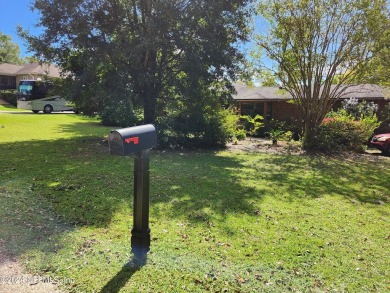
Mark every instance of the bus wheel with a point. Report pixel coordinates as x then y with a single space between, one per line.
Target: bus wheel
47 109
35 111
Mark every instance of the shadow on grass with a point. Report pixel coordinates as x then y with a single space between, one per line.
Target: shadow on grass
76 181
200 186
85 186
27 222
124 275
355 178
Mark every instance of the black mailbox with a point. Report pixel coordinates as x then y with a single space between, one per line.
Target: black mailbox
126 141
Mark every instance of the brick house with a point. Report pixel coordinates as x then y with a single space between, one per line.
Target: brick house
11 74
274 103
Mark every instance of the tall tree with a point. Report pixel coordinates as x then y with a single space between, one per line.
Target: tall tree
9 51
312 41
378 69
156 49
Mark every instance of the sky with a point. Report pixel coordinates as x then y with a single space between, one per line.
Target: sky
14 13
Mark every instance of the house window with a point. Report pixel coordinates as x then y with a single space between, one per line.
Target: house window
252 108
7 82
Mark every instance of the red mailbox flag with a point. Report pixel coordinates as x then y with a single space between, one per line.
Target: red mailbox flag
132 139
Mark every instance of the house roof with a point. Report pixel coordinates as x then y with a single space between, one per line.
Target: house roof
50 70
245 92
364 91
9 69
251 93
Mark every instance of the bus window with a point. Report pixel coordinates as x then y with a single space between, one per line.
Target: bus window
25 88
25 91
31 90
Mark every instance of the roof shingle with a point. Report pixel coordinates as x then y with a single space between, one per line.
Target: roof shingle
250 93
50 70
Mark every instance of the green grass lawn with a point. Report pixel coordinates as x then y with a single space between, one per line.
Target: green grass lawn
220 221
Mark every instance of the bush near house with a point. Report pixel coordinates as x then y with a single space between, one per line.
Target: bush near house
342 132
9 96
187 129
348 129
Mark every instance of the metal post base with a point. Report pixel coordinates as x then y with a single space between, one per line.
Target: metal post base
140 242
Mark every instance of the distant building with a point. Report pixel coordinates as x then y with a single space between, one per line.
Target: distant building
11 74
274 103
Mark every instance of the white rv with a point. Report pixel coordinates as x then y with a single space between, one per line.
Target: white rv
33 95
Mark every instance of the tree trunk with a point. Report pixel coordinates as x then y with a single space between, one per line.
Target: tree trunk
310 129
149 101
149 86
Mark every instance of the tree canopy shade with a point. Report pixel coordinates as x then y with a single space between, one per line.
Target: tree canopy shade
313 41
9 51
143 52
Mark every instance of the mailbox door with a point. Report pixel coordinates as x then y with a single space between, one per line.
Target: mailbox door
115 144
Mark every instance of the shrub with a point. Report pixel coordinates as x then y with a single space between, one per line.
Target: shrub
239 134
9 96
288 136
233 125
275 135
120 114
343 133
290 126
195 129
252 125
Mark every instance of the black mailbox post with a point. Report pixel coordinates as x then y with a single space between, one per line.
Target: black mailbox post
137 140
